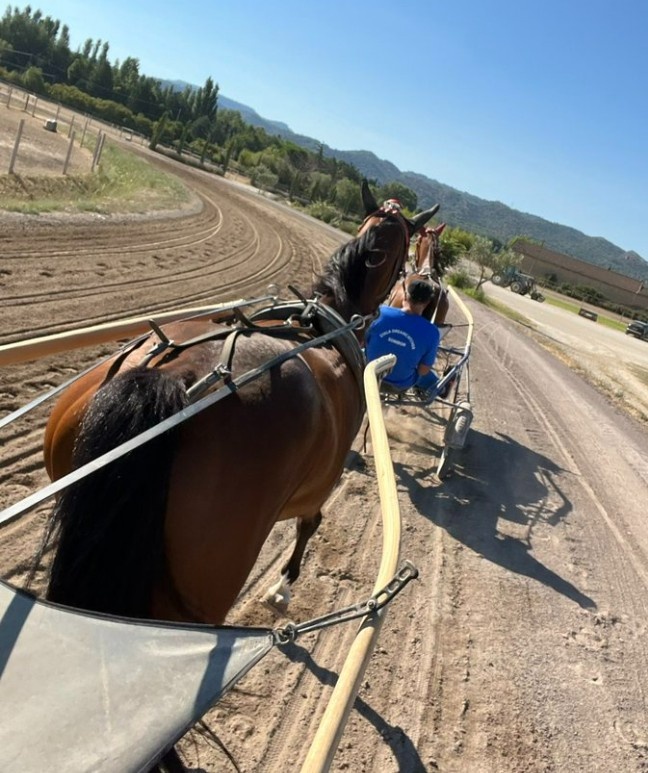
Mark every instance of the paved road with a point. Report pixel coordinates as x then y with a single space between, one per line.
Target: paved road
569 328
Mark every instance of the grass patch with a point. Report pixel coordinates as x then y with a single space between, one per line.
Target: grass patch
461 281
613 323
574 307
123 183
562 304
476 293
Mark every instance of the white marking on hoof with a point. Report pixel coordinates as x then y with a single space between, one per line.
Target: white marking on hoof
278 595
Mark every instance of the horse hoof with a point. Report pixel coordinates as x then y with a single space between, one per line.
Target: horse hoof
276 603
278 596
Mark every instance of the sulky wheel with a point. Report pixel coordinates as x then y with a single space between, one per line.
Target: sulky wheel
444 467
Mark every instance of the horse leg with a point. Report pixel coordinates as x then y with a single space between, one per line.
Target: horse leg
278 595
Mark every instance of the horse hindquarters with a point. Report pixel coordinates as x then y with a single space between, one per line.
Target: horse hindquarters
111 522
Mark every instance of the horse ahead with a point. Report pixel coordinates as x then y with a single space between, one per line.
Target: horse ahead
172 529
427 265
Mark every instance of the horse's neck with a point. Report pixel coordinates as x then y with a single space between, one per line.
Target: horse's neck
424 260
428 262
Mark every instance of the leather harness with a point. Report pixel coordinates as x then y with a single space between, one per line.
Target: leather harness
308 322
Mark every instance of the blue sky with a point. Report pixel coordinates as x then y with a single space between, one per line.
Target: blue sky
540 105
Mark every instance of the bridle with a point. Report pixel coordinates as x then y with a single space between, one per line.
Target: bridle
395 213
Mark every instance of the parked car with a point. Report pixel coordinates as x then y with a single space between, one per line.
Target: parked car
638 329
588 314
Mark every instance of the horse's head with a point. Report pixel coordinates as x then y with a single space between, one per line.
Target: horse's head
359 276
427 252
390 233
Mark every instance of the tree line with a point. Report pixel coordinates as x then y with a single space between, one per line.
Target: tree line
35 54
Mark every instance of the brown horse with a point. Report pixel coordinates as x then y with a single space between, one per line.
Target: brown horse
172 529
428 266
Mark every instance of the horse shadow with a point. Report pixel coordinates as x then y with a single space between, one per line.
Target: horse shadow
498 480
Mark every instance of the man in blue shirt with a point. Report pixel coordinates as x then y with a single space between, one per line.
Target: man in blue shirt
408 335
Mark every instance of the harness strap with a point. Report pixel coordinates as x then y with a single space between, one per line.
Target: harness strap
304 317
407 572
12 512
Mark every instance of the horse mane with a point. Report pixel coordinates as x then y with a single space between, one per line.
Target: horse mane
344 275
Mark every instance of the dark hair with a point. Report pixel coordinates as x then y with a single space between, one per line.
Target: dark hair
419 291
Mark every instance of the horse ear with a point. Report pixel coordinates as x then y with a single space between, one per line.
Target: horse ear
439 229
422 218
368 200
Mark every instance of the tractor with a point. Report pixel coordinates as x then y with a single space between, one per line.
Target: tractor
520 283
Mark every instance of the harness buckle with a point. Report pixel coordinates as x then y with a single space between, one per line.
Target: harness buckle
220 372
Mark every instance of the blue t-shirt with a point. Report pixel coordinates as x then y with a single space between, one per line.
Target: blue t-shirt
410 337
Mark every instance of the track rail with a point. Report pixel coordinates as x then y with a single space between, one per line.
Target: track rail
466 312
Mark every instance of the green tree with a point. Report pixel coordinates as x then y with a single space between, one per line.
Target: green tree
486 257
464 239
100 82
321 186
5 50
347 197
263 178
125 78
205 101
481 254
451 251
77 73
158 131
33 80
200 128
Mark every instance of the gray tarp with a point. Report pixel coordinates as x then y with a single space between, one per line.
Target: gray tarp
81 692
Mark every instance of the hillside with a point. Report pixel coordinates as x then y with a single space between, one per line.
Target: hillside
458 208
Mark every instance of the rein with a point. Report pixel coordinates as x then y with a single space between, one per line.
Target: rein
14 511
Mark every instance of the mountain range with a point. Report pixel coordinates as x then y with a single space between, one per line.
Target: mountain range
460 209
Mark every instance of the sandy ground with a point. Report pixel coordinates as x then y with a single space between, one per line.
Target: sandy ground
522 645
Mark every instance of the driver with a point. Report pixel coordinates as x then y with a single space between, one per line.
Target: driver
407 334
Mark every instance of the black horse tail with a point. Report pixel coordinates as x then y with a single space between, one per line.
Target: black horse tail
110 524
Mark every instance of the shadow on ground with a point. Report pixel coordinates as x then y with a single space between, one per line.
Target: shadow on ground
498 478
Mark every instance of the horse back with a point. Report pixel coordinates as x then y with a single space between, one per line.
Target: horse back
272 450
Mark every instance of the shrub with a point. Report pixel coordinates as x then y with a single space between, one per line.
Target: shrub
460 279
477 293
323 211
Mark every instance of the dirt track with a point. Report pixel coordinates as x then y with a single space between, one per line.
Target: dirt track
521 647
